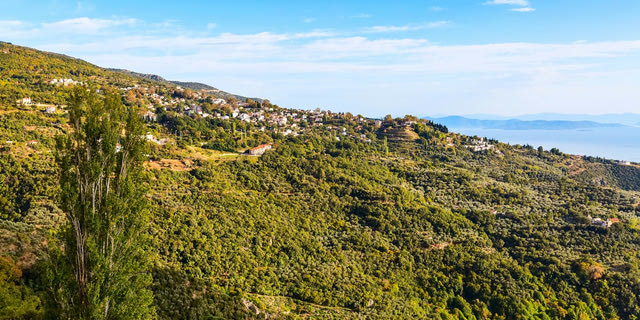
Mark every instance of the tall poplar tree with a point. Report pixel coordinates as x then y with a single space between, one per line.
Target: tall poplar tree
99 265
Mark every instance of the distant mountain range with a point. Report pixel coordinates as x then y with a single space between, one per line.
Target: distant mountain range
189 85
516 124
621 118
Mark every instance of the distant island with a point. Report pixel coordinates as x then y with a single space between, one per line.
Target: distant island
516 124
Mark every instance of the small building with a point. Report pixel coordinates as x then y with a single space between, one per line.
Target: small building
32 142
50 109
260 150
150 116
64 82
480 144
603 223
26 100
244 117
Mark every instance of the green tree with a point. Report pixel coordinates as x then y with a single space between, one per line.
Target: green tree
99 266
16 301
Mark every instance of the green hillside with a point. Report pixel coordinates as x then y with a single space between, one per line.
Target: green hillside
190 85
344 218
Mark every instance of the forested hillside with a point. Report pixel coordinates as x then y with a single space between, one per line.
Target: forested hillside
344 217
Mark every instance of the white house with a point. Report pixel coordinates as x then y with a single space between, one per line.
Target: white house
244 117
150 116
50 109
259 150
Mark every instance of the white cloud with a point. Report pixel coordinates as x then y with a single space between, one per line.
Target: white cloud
10 24
408 27
15 30
361 16
87 25
391 28
523 3
356 52
296 64
351 47
525 9
312 34
438 24
211 26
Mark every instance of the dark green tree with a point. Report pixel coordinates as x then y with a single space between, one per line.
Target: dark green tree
16 302
99 265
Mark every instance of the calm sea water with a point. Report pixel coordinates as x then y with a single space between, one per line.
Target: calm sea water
612 143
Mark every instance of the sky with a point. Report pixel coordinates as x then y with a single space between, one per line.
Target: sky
430 57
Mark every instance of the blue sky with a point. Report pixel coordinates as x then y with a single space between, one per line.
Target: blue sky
427 57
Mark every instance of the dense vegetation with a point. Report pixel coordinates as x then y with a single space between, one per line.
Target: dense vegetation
338 228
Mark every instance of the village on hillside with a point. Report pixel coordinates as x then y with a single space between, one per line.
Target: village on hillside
156 102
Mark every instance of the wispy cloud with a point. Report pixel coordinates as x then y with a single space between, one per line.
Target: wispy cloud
438 24
308 20
311 34
6 24
306 63
211 26
361 16
87 25
525 9
334 48
436 8
408 27
12 28
83 7
523 3
320 46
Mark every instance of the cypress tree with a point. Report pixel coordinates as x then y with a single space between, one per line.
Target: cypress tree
98 260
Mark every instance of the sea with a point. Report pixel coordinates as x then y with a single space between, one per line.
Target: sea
617 143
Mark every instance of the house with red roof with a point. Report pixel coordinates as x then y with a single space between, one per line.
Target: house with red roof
259 150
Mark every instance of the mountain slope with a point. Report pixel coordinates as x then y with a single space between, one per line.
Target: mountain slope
190 85
152 77
337 221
